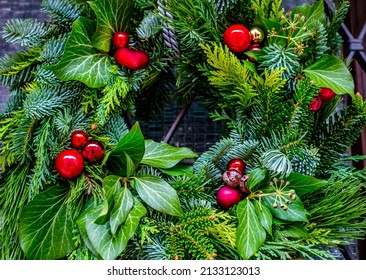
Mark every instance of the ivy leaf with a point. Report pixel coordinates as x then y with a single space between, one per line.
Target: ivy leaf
312 13
128 153
256 176
180 169
81 61
123 202
45 227
112 16
264 215
158 194
163 155
303 184
109 246
294 212
81 223
331 72
250 234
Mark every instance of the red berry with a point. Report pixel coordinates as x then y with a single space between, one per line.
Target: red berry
78 139
93 151
120 39
315 104
133 59
236 164
227 197
69 164
326 94
237 37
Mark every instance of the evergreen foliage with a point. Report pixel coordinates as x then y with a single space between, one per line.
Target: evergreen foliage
145 200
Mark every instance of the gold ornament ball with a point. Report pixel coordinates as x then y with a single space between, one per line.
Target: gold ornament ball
257 34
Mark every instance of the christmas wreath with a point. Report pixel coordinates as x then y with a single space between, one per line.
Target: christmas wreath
80 181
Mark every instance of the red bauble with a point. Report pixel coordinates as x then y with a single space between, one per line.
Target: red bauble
131 58
315 104
326 94
254 47
227 197
120 39
69 164
93 151
237 37
78 139
236 164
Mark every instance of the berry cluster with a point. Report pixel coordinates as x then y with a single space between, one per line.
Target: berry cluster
325 95
128 57
239 39
70 163
235 184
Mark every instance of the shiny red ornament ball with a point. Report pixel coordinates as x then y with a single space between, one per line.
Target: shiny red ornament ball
227 197
93 151
69 164
237 37
326 94
236 164
131 58
315 104
254 47
78 139
120 39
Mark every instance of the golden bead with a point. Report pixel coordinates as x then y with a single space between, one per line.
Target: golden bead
257 34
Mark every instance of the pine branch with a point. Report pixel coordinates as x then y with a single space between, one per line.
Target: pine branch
62 11
26 33
336 18
13 198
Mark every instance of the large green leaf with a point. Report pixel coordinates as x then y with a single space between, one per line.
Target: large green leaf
107 245
130 150
312 13
112 16
81 61
158 194
81 223
45 227
294 212
123 202
264 215
250 234
331 72
303 184
256 176
163 155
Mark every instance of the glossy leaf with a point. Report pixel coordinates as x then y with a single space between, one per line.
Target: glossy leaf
81 61
109 246
312 13
123 202
158 194
264 215
294 212
250 234
180 169
163 155
331 72
112 16
256 176
46 228
129 151
303 184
